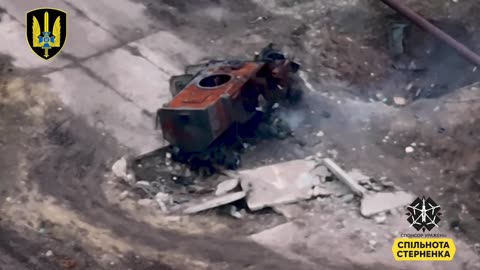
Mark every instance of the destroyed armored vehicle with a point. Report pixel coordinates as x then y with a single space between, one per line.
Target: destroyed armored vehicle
212 97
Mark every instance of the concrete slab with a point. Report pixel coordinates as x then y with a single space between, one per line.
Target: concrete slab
124 18
227 186
215 202
16 46
133 76
105 109
168 52
380 202
84 37
281 183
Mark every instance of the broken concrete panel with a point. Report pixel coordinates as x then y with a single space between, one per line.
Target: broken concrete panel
145 202
125 19
317 191
105 109
168 52
279 183
227 186
336 188
135 78
384 201
13 34
84 37
215 202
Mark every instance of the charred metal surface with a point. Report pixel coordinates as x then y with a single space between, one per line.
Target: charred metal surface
221 94
437 32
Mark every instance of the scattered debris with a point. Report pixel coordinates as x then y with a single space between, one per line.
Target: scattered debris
142 184
235 213
371 204
145 202
401 101
281 185
333 153
344 177
227 186
123 195
147 187
163 199
409 149
411 66
372 244
317 191
322 172
120 170
286 183
380 218
215 202
49 253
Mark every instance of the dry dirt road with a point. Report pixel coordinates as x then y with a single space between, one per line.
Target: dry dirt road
65 121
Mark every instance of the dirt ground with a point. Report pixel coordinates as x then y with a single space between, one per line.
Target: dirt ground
58 193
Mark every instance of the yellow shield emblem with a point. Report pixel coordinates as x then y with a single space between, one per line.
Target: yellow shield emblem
46 31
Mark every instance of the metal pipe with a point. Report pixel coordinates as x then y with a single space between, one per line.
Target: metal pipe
429 27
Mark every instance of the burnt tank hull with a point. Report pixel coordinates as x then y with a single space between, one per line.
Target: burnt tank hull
219 95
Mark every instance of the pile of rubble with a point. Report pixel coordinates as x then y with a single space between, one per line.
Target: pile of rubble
275 186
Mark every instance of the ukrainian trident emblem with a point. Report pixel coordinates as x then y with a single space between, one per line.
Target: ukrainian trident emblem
46 37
